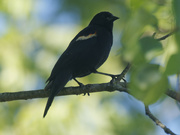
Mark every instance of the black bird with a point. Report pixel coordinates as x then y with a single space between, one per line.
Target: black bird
86 53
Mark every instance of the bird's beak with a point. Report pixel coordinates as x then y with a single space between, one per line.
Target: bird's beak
114 18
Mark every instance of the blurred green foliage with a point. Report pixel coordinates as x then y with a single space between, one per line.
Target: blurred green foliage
33 33
148 83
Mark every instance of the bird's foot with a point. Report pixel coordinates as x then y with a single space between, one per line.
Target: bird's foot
81 85
87 94
117 78
114 77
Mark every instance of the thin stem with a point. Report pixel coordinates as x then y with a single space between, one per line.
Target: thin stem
159 123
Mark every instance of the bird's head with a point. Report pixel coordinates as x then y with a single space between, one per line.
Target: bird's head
104 19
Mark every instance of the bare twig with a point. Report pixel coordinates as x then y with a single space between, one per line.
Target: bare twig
178 88
173 94
124 72
166 36
151 116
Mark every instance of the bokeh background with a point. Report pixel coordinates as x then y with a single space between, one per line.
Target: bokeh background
34 33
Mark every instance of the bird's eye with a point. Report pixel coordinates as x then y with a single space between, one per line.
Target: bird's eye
105 16
108 17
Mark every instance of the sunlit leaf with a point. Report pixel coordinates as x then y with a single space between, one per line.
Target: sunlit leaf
173 66
135 4
133 31
176 5
150 47
148 83
176 8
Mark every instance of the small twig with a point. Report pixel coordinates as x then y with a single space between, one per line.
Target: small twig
124 72
178 88
166 36
173 94
151 116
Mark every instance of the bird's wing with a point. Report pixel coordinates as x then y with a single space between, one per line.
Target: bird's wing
82 43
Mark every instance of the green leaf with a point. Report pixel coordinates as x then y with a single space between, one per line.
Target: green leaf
148 83
133 31
173 66
176 7
135 4
150 47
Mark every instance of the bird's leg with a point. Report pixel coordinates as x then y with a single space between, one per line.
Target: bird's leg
81 85
114 77
111 75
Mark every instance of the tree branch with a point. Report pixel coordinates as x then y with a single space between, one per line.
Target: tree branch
151 116
90 88
173 94
112 86
124 72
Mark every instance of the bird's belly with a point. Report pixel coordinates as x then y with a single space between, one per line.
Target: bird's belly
89 62
81 73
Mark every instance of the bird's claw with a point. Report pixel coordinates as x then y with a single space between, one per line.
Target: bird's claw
87 94
82 85
117 78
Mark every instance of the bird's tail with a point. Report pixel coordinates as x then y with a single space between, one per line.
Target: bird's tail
55 87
